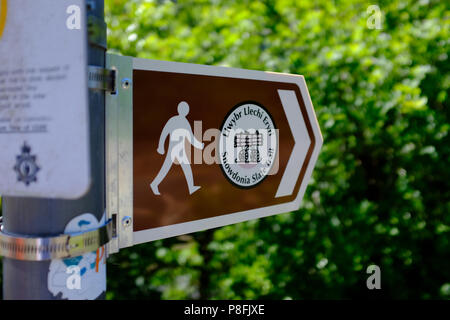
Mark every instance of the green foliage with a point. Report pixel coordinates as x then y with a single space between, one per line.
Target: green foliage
380 192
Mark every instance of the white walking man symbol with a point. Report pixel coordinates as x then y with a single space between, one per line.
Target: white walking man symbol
179 129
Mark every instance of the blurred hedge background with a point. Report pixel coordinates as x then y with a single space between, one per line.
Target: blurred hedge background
380 193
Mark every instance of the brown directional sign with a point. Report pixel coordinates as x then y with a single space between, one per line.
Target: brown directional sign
214 146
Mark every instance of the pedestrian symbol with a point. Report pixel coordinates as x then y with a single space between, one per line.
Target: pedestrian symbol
179 129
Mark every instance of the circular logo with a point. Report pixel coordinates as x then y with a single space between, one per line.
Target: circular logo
247 144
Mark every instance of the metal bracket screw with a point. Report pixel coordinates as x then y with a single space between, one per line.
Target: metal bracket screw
126 83
126 221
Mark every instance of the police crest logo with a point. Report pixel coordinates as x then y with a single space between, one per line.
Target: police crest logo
248 144
26 167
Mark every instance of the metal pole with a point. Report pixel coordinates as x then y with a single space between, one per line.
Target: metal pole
48 217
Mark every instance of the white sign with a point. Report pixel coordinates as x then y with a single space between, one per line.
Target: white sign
44 145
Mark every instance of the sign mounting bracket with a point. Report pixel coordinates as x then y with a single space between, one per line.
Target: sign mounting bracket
119 152
101 79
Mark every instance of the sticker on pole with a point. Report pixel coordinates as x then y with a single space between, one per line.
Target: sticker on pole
43 99
82 277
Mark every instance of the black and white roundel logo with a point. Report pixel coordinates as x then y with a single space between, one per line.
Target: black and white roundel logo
247 144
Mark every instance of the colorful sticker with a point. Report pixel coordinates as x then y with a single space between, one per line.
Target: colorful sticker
83 277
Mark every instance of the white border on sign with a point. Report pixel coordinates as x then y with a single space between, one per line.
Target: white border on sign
227 219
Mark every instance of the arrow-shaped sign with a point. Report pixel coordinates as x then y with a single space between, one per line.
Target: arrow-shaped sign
210 146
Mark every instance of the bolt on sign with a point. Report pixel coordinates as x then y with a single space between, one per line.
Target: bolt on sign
193 147
43 99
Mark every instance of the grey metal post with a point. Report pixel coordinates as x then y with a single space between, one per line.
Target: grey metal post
48 217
